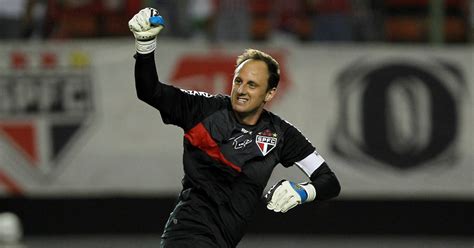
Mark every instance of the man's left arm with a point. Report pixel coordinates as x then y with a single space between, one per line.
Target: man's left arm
322 178
298 150
324 185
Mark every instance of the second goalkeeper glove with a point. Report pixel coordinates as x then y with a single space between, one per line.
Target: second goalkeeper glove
286 195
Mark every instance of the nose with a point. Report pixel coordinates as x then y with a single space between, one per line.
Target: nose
241 89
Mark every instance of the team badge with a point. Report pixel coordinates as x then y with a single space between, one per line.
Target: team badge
266 141
46 104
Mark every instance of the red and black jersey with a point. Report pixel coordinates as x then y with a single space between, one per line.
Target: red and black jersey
226 164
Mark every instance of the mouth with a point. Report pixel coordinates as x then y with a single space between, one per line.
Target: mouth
242 100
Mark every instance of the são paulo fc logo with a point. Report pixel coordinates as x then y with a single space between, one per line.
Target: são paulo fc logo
266 141
46 101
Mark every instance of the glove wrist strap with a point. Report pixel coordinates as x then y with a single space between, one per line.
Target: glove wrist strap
144 47
310 190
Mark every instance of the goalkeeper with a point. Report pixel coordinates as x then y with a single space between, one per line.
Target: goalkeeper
231 146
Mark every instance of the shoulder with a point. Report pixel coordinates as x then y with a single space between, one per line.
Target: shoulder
294 145
218 99
289 132
280 122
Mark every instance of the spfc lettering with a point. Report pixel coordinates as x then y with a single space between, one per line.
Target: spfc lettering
44 107
266 141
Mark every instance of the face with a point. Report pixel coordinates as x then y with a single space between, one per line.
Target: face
249 90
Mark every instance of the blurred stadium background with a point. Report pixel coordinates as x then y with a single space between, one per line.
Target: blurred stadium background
383 88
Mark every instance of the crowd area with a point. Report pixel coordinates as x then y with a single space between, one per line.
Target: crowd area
257 20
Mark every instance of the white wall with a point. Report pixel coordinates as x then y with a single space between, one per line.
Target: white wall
123 147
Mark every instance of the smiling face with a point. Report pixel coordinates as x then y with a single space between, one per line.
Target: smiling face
250 91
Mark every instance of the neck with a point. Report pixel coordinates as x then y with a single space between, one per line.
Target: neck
248 118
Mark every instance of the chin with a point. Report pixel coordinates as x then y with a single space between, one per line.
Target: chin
239 109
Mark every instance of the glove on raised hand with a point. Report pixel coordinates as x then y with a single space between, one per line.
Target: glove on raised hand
145 32
286 195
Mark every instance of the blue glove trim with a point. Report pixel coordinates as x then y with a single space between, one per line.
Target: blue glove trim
300 190
157 21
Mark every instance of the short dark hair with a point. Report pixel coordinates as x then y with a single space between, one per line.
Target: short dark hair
272 64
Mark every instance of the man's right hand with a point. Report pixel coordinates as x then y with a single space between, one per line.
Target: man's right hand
145 33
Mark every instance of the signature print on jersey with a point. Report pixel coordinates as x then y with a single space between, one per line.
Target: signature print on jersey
239 143
266 141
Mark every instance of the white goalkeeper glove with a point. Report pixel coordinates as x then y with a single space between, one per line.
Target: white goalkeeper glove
286 195
145 26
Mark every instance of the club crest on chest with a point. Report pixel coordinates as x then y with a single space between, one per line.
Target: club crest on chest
266 141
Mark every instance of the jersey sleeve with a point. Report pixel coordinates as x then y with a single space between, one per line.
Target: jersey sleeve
183 108
296 147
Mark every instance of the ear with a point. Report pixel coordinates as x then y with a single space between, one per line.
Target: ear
270 94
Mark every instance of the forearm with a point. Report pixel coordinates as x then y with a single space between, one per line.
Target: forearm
325 182
285 195
147 83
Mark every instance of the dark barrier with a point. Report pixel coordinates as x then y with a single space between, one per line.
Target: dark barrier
117 215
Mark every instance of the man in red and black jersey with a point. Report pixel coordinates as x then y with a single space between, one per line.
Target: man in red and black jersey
231 146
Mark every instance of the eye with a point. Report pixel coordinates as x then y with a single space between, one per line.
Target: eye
252 85
237 81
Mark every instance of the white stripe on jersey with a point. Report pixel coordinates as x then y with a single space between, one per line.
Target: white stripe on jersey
196 93
310 163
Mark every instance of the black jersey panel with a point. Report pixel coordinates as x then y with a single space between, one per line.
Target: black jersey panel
207 175
296 146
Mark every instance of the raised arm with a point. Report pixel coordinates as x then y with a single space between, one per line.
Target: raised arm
147 82
183 108
145 26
